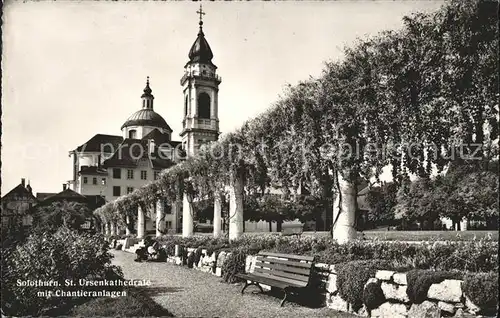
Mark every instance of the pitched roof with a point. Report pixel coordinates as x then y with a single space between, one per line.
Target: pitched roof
158 137
94 144
19 190
43 195
65 195
132 151
92 170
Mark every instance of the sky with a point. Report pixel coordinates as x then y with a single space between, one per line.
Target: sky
72 70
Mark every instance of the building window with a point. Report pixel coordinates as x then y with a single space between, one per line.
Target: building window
186 106
168 224
130 174
204 105
117 173
132 134
116 191
157 175
144 175
85 180
103 181
167 208
130 190
94 180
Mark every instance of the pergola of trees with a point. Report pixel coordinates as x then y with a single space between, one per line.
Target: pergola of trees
409 99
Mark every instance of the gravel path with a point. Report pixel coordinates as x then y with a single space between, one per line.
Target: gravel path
191 293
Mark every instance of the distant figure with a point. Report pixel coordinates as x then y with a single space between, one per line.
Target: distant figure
153 250
142 253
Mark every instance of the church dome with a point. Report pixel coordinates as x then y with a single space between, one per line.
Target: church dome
146 117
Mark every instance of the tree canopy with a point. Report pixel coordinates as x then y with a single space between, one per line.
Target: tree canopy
415 99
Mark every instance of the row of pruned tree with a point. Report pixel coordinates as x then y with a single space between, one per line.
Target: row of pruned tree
415 100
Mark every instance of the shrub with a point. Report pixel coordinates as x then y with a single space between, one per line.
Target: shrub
419 282
478 256
234 264
352 277
373 296
60 256
170 249
482 290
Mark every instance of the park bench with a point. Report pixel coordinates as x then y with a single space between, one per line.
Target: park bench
290 273
292 229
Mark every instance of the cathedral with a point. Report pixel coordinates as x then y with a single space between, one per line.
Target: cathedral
114 165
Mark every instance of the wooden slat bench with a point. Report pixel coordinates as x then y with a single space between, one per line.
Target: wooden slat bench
292 229
290 273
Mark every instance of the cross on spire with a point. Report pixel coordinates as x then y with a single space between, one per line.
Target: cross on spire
201 13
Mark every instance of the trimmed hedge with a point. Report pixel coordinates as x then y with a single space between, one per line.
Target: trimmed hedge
352 277
478 256
373 295
419 282
482 290
234 264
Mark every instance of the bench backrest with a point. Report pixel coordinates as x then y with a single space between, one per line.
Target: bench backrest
290 229
293 269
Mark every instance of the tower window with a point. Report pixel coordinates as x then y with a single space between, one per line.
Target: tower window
132 134
186 106
203 105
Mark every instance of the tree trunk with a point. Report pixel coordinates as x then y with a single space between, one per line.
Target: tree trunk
236 207
187 217
113 228
160 222
344 211
141 223
127 225
217 215
279 224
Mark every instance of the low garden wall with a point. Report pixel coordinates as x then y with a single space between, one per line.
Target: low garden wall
376 287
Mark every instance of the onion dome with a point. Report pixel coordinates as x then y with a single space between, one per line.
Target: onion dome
147 90
200 50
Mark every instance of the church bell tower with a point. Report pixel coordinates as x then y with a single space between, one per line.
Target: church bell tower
200 85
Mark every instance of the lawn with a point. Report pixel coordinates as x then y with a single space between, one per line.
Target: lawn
430 235
408 236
